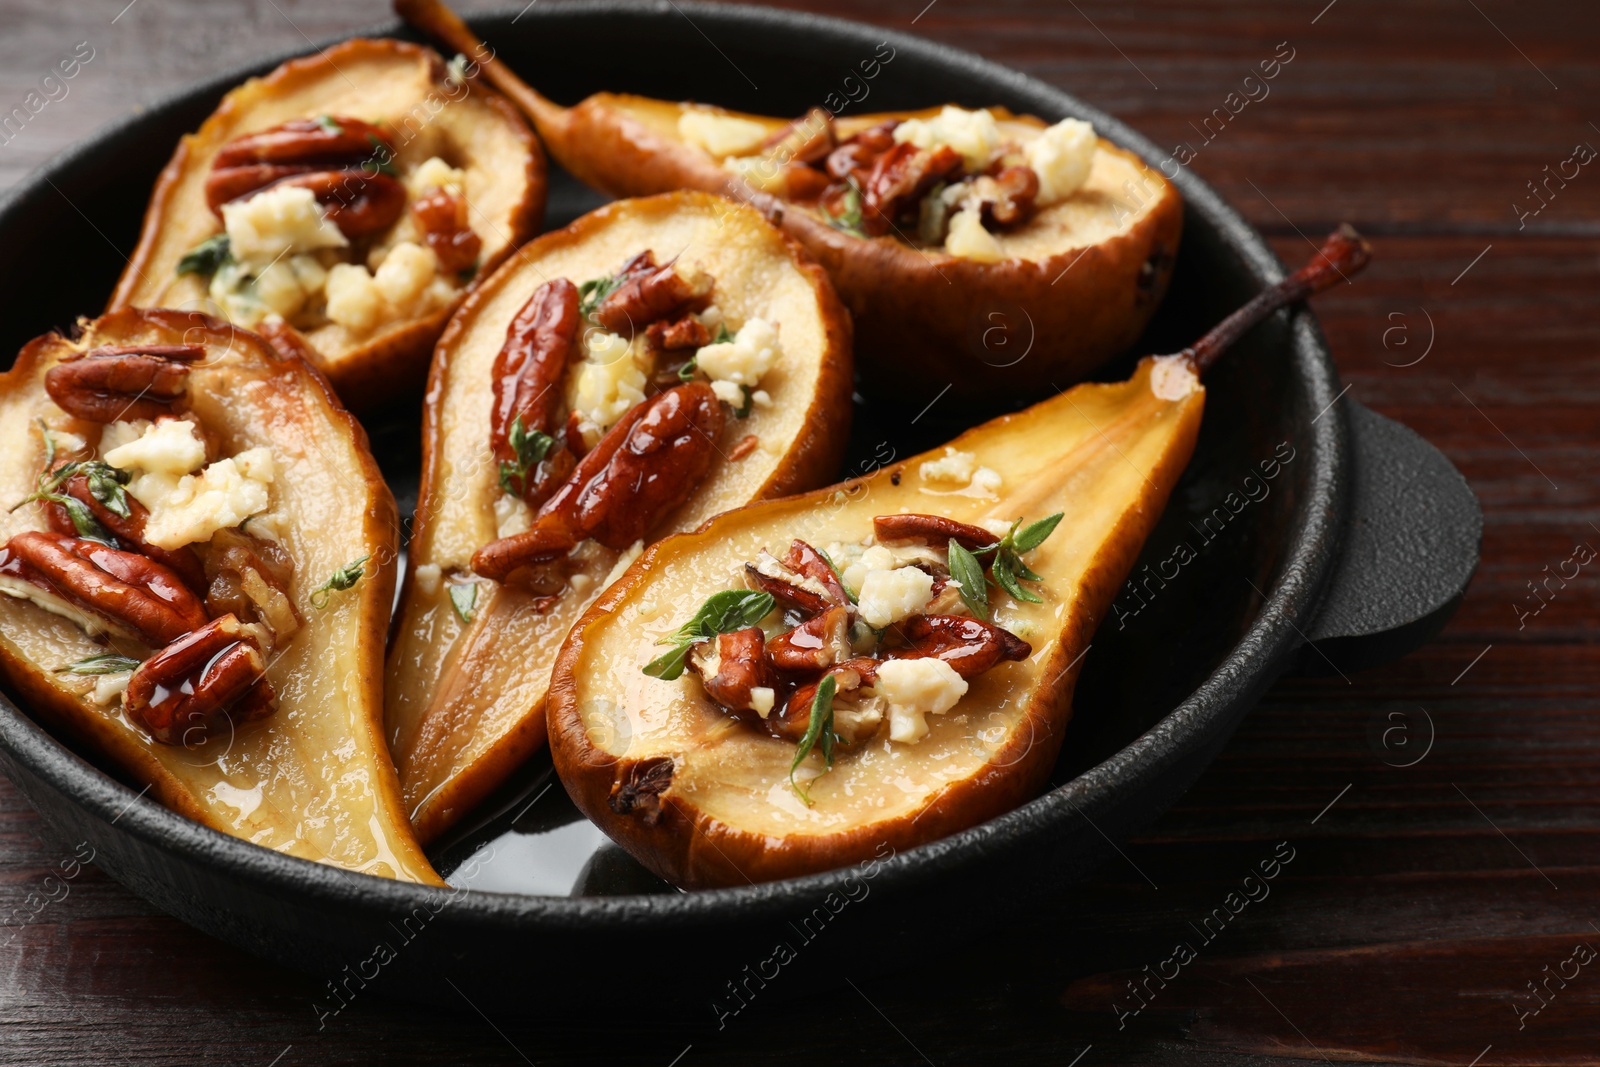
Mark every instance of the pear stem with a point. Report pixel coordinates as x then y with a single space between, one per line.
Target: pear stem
1344 253
437 21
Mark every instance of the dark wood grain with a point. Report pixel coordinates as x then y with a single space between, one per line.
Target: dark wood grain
1417 907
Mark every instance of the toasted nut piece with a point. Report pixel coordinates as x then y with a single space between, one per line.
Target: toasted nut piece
647 296
814 645
329 143
971 646
899 180
442 217
1008 200
540 342
685 332
855 157
792 722
123 381
730 666
249 578
182 693
129 531
338 159
932 529
134 595
643 468
359 203
808 139
809 563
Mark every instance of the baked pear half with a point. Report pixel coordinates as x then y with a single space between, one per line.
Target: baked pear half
978 248
654 363
341 206
197 560
799 683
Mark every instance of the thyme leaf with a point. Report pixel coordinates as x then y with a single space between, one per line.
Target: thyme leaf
818 732
724 612
102 663
207 257
530 450
464 599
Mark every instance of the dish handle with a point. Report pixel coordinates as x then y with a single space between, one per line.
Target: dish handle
1409 550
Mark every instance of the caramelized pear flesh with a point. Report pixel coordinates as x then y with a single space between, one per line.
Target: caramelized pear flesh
465 689
312 779
1073 287
404 89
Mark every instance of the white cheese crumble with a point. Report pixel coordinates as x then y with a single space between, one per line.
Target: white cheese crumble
191 508
511 515
859 562
969 240
428 576
608 382
405 285
954 466
762 699
283 219
743 360
972 133
720 135
169 446
435 173
887 596
1062 156
916 688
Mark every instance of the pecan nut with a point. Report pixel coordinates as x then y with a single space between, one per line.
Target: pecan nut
794 719
185 691
971 646
814 645
899 179
540 343
1009 199
931 529
649 294
803 580
123 381
249 578
731 666
442 218
340 159
643 468
134 596
128 530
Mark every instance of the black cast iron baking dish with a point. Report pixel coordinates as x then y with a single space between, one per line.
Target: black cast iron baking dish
1358 552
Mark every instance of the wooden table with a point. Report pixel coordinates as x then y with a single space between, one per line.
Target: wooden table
1423 901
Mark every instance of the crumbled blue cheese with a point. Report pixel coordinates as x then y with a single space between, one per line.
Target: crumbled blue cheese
167 446
916 688
608 382
887 596
187 507
1062 156
974 134
969 240
427 577
721 135
743 360
278 221
435 173
954 466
